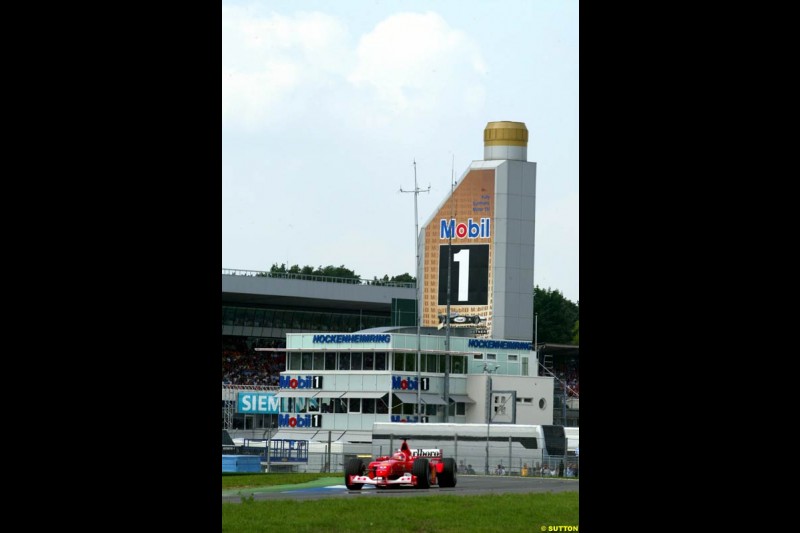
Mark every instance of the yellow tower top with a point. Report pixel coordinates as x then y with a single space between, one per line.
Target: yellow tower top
505 133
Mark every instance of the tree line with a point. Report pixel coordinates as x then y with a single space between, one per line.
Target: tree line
333 272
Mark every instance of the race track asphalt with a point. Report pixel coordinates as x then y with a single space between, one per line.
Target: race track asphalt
466 486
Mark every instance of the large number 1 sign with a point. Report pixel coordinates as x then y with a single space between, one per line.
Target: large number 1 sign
462 258
469 276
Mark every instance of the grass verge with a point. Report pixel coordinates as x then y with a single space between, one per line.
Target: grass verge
423 514
238 480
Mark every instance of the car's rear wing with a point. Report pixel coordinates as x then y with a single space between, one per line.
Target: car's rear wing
426 452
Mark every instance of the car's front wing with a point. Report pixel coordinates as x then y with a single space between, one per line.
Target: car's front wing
405 479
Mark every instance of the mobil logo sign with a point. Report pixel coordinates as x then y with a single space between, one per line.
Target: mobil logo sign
301 382
409 419
300 421
409 383
470 229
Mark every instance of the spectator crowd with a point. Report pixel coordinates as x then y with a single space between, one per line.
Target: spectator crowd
243 365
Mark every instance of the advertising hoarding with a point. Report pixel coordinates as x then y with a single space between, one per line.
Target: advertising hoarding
462 230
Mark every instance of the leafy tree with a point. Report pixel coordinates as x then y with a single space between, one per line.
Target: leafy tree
575 331
556 316
331 271
336 272
275 271
385 280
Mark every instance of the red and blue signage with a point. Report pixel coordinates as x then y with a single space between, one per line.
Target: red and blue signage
409 383
300 421
465 230
301 382
410 419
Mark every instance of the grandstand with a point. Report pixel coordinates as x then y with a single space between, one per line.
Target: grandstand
260 308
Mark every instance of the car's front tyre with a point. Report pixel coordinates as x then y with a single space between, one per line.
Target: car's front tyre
355 467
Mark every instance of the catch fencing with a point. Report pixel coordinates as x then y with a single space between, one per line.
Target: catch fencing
472 458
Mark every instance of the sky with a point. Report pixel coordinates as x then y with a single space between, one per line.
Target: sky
327 105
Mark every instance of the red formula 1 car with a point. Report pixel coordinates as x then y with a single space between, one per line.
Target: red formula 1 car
418 468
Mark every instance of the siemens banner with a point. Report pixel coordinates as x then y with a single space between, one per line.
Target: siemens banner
258 403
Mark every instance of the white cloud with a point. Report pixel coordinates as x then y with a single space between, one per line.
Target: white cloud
268 58
417 62
276 68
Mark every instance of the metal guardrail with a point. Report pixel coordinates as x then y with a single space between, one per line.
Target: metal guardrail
314 277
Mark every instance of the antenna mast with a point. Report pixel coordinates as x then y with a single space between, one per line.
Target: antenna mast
416 192
447 312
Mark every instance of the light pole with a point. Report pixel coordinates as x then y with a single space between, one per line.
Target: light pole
488 373
536 338
269 429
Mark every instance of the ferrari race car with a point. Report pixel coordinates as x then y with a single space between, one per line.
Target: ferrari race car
420 468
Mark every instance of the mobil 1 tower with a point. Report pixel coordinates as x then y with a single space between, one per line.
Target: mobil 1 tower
486 229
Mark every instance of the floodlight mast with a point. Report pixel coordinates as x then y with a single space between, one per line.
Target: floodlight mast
489 415
416 192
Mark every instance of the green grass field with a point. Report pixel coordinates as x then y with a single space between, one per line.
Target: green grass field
418 514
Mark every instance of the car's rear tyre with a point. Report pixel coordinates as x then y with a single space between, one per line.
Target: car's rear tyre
448 476
422 470
355 467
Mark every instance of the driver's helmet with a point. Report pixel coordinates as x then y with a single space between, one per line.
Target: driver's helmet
399 456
